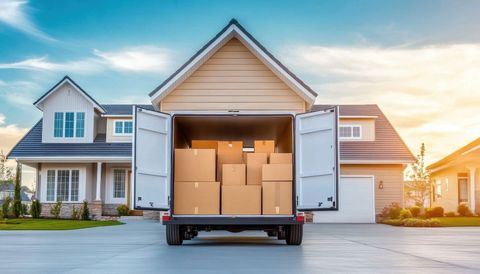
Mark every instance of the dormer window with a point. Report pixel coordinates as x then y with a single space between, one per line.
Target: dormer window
69 125
350 132
123 127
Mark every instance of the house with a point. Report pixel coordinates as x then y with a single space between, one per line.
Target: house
7 189
83 149
455 178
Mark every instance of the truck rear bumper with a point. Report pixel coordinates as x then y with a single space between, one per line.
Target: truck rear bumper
232 220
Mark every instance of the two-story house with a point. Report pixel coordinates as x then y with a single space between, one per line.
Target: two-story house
82 150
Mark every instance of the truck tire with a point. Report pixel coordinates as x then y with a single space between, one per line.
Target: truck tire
174 235
295 235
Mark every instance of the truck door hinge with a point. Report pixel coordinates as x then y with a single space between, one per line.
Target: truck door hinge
297 200
330 199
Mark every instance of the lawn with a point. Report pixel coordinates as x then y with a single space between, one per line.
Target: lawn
459 221
51 224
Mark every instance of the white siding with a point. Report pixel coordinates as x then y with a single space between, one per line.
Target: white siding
109 184
67 99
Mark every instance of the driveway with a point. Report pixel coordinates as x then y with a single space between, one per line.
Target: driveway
139 247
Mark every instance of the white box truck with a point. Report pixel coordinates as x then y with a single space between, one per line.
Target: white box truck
311 137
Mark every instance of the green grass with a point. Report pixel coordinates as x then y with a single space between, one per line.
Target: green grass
459 221
51 224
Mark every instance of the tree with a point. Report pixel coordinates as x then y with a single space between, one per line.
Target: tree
6 173
17 198
420 184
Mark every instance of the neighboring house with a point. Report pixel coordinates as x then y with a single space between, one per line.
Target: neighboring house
8 190
456 177
83 149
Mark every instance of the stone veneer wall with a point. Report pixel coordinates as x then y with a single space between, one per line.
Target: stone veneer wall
66 211
110 210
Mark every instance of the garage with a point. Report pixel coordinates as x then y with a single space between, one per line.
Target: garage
356 196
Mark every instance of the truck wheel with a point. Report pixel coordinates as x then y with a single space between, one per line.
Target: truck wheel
174 235
295 235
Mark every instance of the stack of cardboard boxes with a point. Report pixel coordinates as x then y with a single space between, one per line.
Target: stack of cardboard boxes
251 183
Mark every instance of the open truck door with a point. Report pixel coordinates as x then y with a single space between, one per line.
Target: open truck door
316 160
151 159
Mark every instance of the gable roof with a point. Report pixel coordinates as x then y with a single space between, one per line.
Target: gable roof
388 146
472 146
233 29
67 79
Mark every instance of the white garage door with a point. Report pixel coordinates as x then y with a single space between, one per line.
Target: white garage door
356 196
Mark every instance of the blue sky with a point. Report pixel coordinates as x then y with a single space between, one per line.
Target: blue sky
416 59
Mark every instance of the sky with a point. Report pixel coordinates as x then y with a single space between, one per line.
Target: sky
418 60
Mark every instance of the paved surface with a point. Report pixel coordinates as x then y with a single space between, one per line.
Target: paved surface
139 247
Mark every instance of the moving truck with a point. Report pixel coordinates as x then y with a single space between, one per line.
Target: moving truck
310 137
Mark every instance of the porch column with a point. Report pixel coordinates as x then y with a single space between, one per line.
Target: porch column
98 196
472 188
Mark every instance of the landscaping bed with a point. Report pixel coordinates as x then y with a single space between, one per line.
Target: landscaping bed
51 224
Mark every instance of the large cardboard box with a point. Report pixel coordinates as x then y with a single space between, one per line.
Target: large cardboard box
196 198
280 158
194 165
276 198
267 146
233 174
241 200
277 172
228 152
255 162
205 144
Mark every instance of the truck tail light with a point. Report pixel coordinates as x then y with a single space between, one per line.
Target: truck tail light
166 217
300 217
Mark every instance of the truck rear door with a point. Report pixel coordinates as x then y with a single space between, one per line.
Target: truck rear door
316 160
151 159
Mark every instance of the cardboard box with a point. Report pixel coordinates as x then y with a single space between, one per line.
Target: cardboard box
241 200
276 198
196 198
228 152
280 158
204 144
267 146
277 172
194 165
233 174
255 162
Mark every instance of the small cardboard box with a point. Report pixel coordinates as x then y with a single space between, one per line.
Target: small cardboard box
267 146
277 172
194 165
233 174
228 152
255 162
241 200
196 198
205 144
280 158
276 198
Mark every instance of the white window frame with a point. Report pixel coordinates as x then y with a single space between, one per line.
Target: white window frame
74 125
110 186
81 184
351 126
123 127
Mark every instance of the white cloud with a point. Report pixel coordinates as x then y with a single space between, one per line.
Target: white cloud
431 93
14 14
134 59
18 92
9 134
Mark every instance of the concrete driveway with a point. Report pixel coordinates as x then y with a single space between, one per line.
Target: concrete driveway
139 247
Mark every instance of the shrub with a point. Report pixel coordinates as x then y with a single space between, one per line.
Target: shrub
56 209
415 222
24 210
35 209
122 210
463 210
75 213
6 206
450 214
434 212
405 214
85 212
415 210
392 211
395 222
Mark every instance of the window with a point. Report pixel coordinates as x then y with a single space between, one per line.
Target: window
438 190
63 185
58 125
123 127
80 130
119 176
72 126
350 132
446 185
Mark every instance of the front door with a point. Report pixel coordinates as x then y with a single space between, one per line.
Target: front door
462 190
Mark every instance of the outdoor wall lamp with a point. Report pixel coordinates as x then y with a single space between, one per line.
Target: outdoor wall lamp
380 185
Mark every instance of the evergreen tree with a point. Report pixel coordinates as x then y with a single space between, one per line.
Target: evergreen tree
17 199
